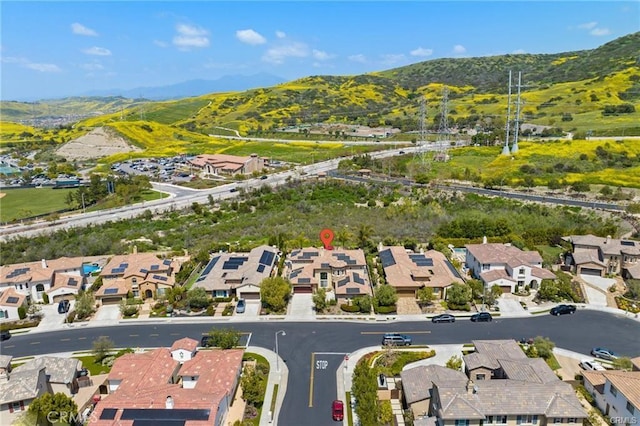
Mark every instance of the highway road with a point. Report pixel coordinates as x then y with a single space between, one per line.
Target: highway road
309 342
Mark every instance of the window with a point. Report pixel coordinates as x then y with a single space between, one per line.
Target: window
527 419
521 271
462 422
500 420
572 420
630 407
557 420
613 390
485 266
136 293
323 279
161 291
17 406
480 376
134 280
1 313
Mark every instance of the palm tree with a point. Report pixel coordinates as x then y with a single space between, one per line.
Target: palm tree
343 235
364 233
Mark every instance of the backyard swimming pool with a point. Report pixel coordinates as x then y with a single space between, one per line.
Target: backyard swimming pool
89 268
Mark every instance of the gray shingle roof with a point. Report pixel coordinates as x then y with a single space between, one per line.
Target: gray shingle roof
5 361
416 382
22 385
59 370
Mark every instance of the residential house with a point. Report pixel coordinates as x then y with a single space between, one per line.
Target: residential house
408 272
10 301
506 266
33 279
591 255
500 386
62 373
154 386
238 274
225 164
342 273
616 393
145 275
17 390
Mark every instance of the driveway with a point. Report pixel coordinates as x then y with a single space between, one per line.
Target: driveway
52 320
301 308
251 311
600 282
107 314
510 307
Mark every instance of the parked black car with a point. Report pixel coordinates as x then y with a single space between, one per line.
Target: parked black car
5 335
63 307
563 309
206 341
443 318
481 317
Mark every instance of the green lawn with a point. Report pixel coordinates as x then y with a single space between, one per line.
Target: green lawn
27 202
90 364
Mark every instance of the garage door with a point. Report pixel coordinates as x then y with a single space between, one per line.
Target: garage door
406 293
591 271
250 296
70 297
505 288
302 289
111 300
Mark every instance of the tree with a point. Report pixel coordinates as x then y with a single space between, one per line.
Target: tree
22 312
425 295
320 299
102 346
128 310
477 288
253 383
622 363
459 294
385 414
363 303
198 298
51 408
275 292
386 295
542 347
364 233
224 338
343 235
85 304
454 363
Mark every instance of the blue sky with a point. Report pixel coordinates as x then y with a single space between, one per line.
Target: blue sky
54 49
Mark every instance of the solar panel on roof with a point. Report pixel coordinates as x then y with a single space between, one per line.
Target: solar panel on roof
357 278
72 282
144 271
160 414
304 281
295 273
12 299
108 414
230 265
166 262
155 267
111 291
387 259
343 281
159 277
353 290
453 270
325 265
117 270
260 268
628 243
210 266
124 265
267 257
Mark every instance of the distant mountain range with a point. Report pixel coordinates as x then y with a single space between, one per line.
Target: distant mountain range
186 89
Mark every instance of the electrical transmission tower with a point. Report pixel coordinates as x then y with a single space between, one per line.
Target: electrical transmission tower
422 139
516 127
443 127
505 149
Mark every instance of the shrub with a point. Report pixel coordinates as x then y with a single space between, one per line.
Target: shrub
45 298
22 312
349 308
211 310
386 309
71 317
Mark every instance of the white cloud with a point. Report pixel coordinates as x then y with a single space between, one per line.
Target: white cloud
160 43
190 36
358 58
420 51
97 51
278 54
25 63
600 32
321 55
391 59
43 67
280 34
93 66
459 49
80 29
250 37
588 25
518 52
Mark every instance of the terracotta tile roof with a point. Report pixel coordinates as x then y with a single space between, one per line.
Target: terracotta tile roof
495 275
145 266
407 269
636 363
71 281
10 297
501 253
117 287
596 378
247 269
217 369
185 343
38 271
144 370
627 383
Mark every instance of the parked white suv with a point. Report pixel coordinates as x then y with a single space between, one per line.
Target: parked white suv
589 365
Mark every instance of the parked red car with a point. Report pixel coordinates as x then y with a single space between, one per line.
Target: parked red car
337 410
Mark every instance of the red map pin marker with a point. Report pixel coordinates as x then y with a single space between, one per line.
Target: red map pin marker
326 236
